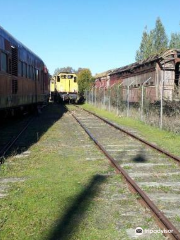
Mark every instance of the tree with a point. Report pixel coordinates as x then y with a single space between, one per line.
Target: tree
147 46
64 69
56 71
175 41
160 37
79 69
152 43
85 80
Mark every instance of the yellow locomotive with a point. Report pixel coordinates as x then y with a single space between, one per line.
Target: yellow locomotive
64 86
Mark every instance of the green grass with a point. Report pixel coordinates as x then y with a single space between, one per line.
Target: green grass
59 197
167 140
63 195
178 218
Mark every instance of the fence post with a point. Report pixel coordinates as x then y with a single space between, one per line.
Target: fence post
95 96
104 98
128 97
142 98
127 101
92 96
118 95
110 99
161 105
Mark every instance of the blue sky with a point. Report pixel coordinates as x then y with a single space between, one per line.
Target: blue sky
96 34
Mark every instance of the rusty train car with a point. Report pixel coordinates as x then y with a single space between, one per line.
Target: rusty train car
162 72
24 78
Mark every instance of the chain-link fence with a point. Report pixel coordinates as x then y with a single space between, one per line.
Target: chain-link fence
138 105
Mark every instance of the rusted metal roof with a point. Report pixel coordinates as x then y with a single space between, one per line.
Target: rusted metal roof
104 74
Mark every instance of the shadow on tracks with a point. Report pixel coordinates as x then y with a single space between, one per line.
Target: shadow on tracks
38 127
139 159
71 219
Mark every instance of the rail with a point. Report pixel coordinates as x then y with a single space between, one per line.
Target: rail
164 221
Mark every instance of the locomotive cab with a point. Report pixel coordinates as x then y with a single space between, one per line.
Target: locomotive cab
66 86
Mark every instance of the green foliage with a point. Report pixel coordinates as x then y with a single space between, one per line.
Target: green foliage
146 47
175 40
85 80
153 42
160 37
64 69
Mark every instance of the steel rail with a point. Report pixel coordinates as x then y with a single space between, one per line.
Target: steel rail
136 137
161 217
8 146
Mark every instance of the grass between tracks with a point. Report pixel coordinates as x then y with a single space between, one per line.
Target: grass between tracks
167 140
57 190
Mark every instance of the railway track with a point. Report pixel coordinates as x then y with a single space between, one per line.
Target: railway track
151 173
10 133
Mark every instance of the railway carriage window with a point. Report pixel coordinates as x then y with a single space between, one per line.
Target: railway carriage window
27 71
24 70
3 62
40 76
75 79
58 78
37 75
9 67
34 73
19 68
31 72
42 80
